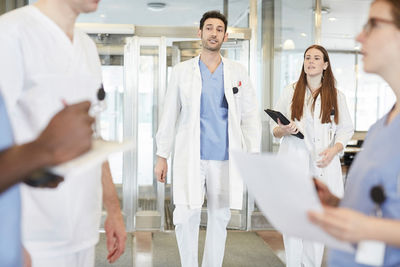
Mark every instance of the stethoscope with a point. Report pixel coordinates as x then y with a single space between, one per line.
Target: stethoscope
332 133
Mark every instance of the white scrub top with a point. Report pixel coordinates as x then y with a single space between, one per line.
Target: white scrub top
40 67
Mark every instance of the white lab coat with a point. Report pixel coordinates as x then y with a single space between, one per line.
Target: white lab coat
317 136
180 122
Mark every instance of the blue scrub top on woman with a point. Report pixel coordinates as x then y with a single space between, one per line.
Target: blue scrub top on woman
377 164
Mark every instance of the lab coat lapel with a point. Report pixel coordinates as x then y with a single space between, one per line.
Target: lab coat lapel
197 82
194 193
228 86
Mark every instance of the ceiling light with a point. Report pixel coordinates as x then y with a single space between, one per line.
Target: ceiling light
338 70
156 6
332 19
303 34
102 16
288 45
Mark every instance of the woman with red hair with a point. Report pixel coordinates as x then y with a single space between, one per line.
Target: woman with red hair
318 110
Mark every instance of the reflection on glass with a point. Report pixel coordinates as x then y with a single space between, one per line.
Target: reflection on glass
374 99
148 86
290 68
237 51
343 67
112 118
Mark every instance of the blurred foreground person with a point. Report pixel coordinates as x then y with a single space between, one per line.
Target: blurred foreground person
68 134
370 208
46 61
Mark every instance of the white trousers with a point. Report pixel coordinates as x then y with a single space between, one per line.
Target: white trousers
82 258
215 184
302 253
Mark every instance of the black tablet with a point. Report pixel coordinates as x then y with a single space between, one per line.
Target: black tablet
275 115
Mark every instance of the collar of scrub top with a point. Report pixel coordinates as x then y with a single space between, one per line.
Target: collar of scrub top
235 89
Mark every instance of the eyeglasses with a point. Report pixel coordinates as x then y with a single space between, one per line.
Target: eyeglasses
373 22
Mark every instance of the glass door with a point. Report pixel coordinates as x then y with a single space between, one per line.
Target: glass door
135 71
111 53
146 74
134 77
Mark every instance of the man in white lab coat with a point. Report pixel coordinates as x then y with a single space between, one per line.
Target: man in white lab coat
210 109
44 62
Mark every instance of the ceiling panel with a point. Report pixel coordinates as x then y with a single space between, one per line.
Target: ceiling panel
176 12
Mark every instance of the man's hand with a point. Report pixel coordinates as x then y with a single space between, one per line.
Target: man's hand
161 169
116 236
325 196
68 134
342 223
114 224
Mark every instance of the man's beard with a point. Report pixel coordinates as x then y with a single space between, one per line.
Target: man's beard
205 45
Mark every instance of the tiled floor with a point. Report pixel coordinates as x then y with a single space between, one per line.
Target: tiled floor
142 250
275 241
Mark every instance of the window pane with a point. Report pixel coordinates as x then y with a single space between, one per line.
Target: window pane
374 99
343 67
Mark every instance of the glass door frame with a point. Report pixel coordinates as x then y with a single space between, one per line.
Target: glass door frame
156 36
130 162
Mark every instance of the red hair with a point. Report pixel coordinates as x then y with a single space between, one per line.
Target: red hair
327 91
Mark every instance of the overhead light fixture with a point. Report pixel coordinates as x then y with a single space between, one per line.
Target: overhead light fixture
303 34
156 6
332 19
288 45
338 70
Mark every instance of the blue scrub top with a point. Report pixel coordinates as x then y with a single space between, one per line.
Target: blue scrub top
214 144
377 164
10 206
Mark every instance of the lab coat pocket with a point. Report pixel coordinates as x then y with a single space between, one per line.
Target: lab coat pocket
185 118
185 92
237 97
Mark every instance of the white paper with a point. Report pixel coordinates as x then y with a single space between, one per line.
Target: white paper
99 152
284 192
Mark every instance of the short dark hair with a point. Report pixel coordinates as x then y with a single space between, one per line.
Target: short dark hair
213 14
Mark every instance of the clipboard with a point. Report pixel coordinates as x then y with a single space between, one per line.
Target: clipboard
275 115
